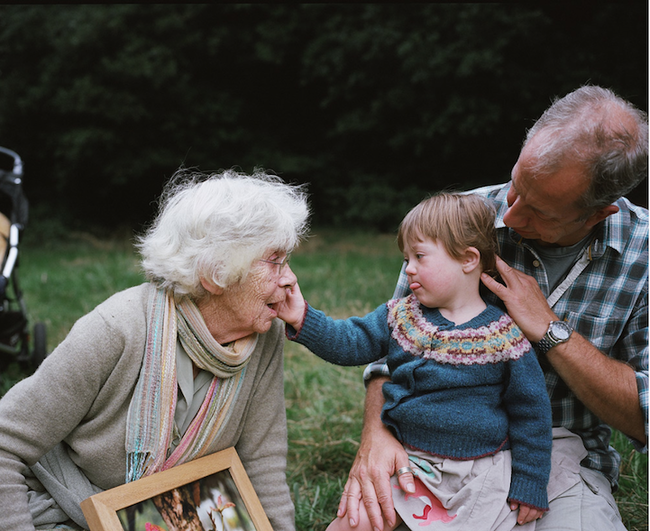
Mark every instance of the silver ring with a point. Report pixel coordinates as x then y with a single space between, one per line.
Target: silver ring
405 470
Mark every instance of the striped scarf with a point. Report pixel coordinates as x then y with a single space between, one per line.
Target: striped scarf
150 421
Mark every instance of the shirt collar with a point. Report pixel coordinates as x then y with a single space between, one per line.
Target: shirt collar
501 204
617 228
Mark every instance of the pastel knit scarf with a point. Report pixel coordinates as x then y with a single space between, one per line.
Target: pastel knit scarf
150 420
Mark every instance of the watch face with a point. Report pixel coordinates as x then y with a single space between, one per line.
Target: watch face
560 330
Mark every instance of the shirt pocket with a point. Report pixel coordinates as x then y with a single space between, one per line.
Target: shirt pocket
602 332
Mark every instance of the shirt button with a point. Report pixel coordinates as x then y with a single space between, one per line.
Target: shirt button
536 263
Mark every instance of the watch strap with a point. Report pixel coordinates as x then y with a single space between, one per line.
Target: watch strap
544 345
549 340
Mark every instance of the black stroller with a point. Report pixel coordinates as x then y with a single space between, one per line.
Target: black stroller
14 330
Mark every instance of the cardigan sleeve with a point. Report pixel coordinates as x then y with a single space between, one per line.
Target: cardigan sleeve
44 409
530 431
347 342
77 395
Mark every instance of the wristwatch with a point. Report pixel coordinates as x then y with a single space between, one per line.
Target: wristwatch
558 332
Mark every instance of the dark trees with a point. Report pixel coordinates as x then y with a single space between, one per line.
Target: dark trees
372 104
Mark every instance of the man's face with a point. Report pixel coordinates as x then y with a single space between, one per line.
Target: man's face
544 208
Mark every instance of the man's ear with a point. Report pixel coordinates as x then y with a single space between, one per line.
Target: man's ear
211 287
600 215
471 259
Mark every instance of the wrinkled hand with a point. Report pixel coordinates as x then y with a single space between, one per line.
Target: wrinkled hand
526 514
523 298
379 457
292 309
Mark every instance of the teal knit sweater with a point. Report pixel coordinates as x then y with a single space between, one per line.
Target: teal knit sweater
460 392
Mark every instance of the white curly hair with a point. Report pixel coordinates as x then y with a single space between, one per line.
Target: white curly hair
216 226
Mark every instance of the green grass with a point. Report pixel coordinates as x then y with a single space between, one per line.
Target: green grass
343 275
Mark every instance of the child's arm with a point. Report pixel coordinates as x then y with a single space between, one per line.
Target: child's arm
292 309
530 430
352 341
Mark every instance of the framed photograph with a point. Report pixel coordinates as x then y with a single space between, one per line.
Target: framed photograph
212 493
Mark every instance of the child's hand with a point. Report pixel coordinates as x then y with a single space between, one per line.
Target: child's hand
526 514
292 309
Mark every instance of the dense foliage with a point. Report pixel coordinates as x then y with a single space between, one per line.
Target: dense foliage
372 104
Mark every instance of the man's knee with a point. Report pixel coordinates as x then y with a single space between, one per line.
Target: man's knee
587 506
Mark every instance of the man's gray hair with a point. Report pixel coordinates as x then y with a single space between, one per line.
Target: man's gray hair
599 130
216 226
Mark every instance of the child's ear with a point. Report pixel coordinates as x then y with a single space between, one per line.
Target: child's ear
471 259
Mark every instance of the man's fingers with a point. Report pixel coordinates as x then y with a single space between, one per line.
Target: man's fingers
502 266
343 503
371 503
407 482
405 475
350 500
491 284
512 280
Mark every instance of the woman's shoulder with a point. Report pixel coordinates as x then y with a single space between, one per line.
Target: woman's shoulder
139 293
122 315
126 304
110 336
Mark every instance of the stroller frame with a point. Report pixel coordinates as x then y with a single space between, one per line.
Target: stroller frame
14 330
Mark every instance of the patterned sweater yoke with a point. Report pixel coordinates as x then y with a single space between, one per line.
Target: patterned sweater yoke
498 341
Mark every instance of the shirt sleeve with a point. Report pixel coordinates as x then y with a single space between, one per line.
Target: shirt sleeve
402 286
633 350
379 368
642 384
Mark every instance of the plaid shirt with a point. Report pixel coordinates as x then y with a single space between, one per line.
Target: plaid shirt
604 298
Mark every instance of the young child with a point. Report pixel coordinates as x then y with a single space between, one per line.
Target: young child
467 397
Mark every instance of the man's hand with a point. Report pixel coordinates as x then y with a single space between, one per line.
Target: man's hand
524 300
604 385
379 457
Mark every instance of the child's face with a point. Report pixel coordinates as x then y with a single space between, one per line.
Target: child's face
435 277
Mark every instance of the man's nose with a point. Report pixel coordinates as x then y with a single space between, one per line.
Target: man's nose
515 216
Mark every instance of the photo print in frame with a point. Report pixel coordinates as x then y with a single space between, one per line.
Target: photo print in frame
212 493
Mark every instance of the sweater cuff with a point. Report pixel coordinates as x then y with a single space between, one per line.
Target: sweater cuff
529 493
543 509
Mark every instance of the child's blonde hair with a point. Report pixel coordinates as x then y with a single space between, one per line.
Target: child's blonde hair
457 221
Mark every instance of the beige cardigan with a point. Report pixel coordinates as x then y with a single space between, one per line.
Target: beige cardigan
81 395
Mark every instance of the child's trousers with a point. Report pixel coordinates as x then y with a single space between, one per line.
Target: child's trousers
458 495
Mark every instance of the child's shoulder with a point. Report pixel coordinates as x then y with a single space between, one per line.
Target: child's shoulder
494 312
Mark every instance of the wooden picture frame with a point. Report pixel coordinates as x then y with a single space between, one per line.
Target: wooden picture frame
213 491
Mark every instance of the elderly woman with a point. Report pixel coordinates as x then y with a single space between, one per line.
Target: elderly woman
180 367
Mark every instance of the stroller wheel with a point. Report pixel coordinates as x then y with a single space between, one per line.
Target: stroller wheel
40 344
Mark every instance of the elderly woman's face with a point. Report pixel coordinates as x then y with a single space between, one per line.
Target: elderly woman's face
251 303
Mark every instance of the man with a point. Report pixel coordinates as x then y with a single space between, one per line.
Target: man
575 279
